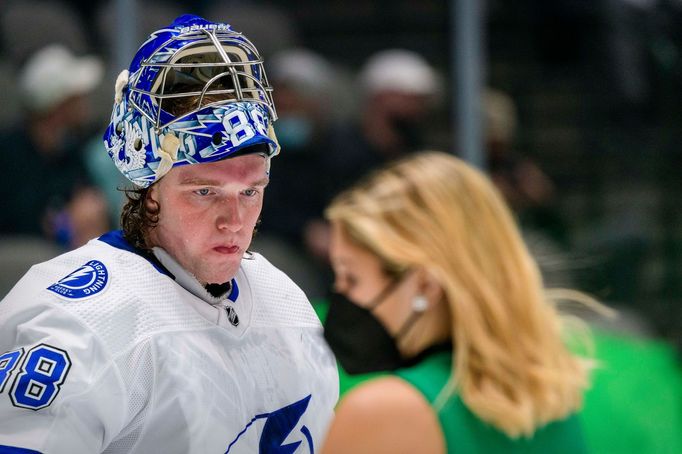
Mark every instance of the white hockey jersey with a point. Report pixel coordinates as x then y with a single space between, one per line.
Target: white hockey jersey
104 349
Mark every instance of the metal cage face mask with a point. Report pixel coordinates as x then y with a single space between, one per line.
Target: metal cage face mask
195 92
199 62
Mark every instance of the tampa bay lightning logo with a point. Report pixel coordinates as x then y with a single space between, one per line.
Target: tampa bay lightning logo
279 426
86 281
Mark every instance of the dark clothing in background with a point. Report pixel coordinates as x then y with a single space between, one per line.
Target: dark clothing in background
33 184
295 193
349 157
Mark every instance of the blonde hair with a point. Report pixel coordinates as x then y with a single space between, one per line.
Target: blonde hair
511 366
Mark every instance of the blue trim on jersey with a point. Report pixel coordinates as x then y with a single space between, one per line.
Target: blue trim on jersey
116 239
234 294
14 450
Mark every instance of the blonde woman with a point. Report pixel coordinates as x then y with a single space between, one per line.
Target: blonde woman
436 286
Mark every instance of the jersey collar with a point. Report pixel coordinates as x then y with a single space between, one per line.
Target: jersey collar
116 239
190 283
166 265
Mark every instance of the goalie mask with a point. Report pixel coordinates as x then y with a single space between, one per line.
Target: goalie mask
195 92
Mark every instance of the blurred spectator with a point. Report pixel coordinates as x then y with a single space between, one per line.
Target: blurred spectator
29 25
527 189
398 89
44 187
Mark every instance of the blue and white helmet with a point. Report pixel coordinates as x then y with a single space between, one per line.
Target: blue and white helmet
195 92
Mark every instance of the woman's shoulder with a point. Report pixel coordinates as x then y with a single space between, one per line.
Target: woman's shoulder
386 414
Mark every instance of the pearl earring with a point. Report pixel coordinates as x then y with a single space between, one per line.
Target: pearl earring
420 303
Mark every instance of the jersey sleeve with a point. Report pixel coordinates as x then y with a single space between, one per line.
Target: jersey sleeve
60 391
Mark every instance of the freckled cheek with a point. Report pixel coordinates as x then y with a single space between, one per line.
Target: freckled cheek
187 219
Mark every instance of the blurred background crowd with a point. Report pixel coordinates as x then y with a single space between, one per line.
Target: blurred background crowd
580 107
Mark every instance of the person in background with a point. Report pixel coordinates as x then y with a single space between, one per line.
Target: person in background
436 287
398 89
45 190
529 191
170 335
398 92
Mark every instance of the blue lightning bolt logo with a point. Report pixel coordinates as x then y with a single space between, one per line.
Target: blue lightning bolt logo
154 35
279 424
88 280
193 126
83 276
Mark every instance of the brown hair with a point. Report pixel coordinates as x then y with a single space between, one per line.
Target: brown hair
138 217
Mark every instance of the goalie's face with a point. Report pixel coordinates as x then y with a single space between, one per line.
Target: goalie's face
208 213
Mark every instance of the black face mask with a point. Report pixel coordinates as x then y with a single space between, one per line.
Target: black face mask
359 341
410 132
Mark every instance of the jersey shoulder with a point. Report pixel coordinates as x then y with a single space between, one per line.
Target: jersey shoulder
277 299
118 295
